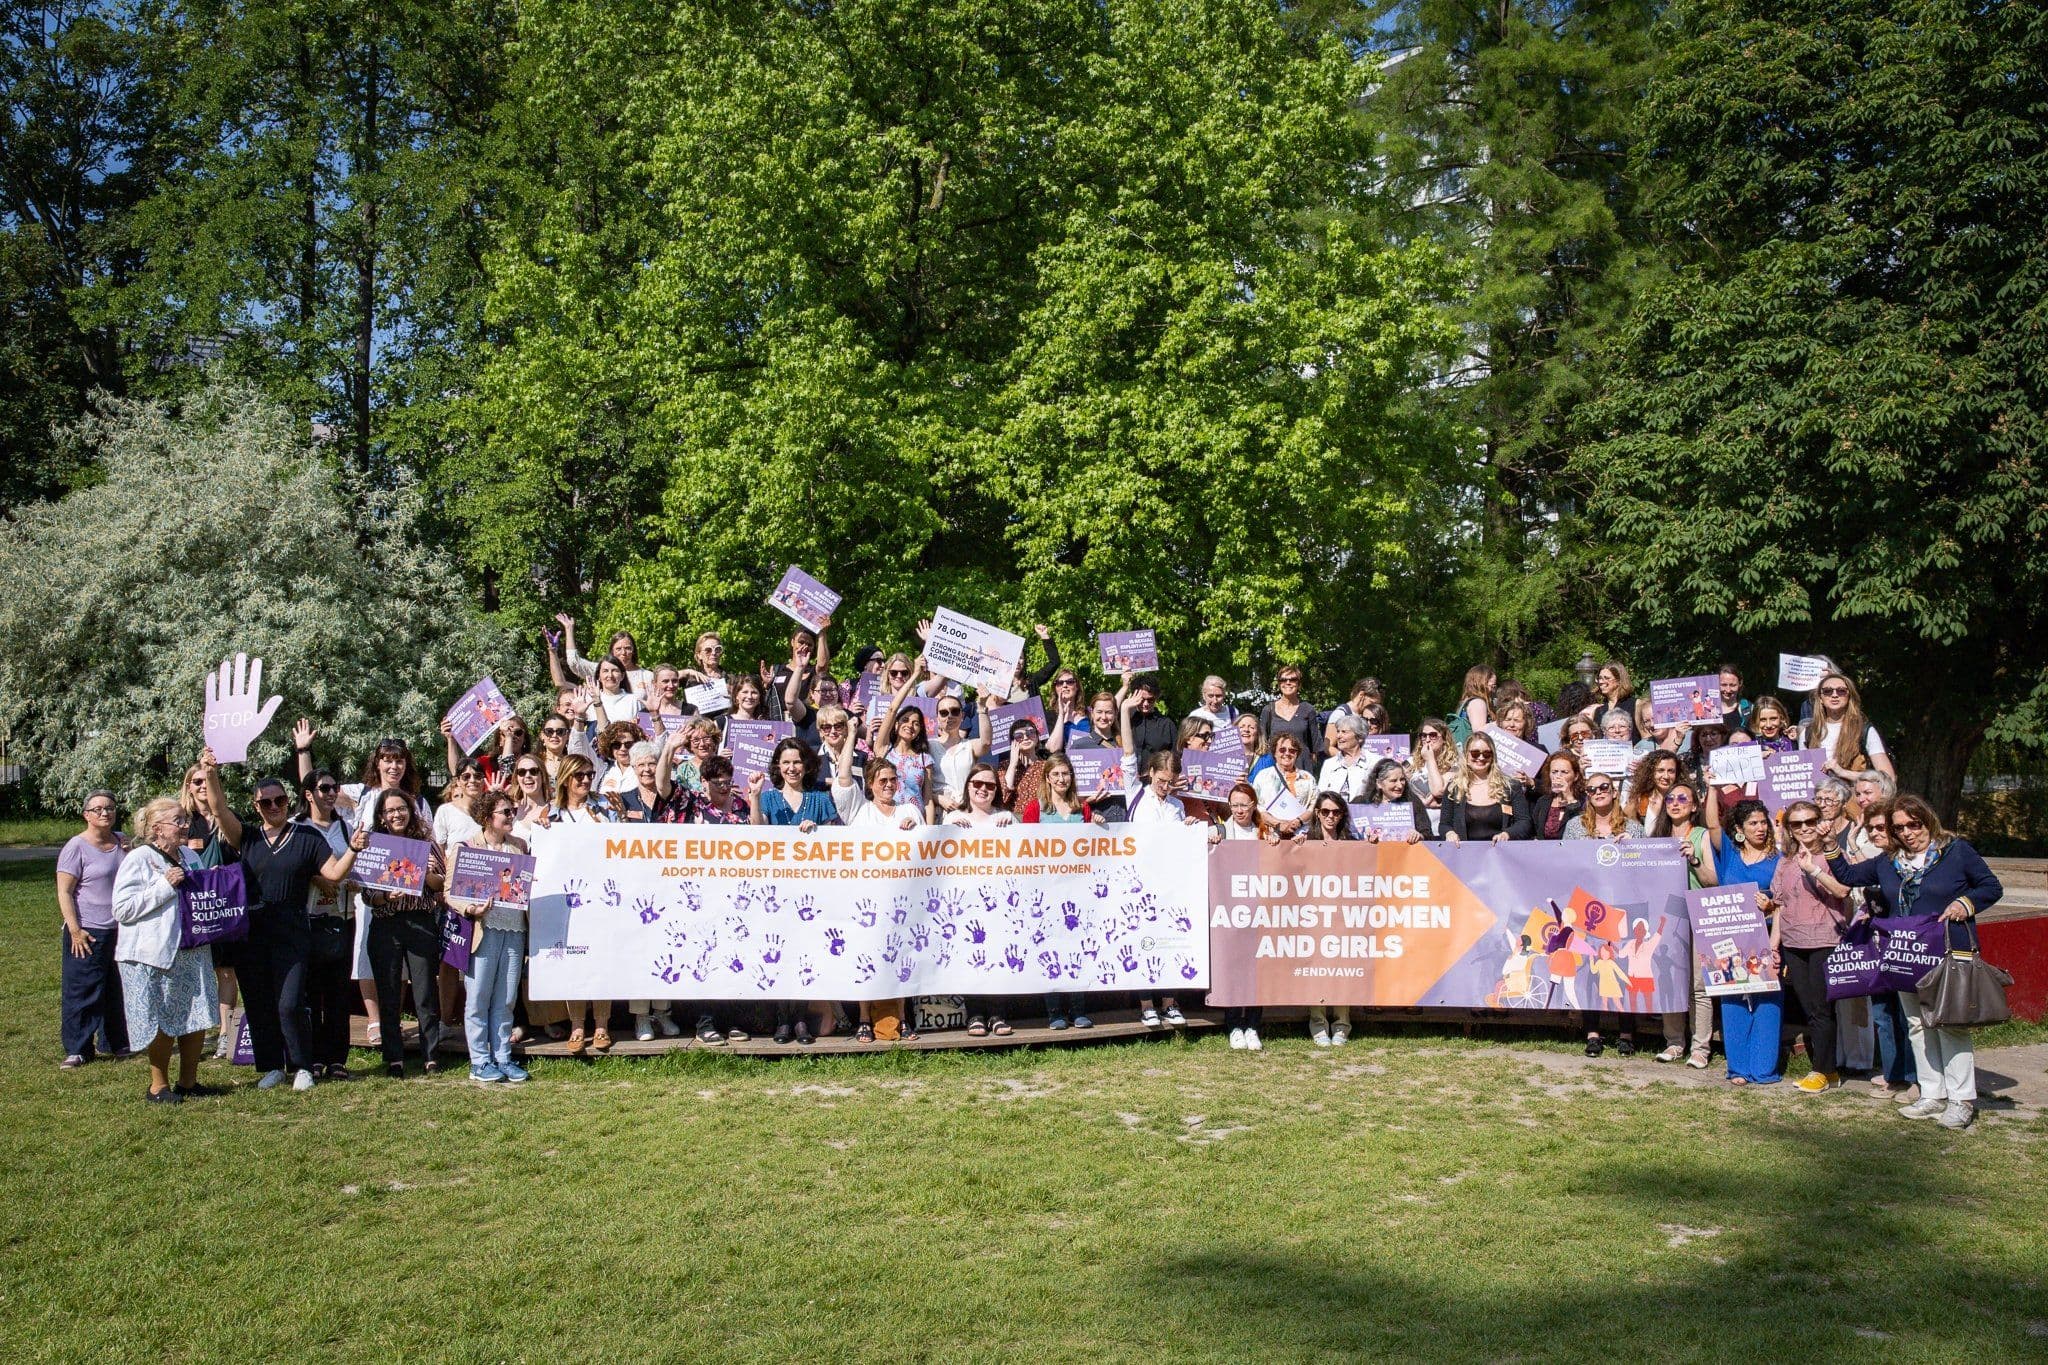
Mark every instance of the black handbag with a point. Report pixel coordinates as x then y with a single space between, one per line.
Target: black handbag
1963 990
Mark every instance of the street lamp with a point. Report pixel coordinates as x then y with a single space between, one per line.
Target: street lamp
1586 668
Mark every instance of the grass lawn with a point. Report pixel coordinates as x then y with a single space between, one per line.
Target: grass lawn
1413 1197
39 831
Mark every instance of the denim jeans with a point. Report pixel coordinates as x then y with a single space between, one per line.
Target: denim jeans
407 945
1894 1043
493 981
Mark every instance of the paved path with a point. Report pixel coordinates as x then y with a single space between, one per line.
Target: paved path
27 855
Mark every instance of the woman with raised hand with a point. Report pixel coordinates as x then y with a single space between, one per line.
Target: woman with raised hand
1431 763
512 741
1286 789
1289 714
905 743
166 989
709 673
577 804
338 969
1677 816
280 861
1475 698
645 802
1348 769
621 648
690 748
87 867
957 750
1838 728
1928 871
1560 793
1832 798
1813 910
496 959
1023 766
1388 785
1750 1024
1480 803
201 800
532 793
405 939
612 698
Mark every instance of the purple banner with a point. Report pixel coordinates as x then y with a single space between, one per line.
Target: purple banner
476 715
393 864
804 599
489 874
1210 776
1791 777
1685 701
1731 940
1398 747
1579 925
1002 718
1853 967
1226 741
1393 820
458 934
1128 651
1908 948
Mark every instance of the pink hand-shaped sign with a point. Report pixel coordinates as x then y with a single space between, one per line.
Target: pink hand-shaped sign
234 718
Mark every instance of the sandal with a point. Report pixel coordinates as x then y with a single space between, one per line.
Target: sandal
1627 1046
864 1034
1001 1028
976 1028
576 1043
906 1032
1738 1080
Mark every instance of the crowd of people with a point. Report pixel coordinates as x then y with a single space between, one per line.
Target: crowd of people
886 744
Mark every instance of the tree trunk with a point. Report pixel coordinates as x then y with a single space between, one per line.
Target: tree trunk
1934 756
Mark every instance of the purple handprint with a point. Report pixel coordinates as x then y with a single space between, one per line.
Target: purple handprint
1049 963
975 933
743 897
1182 922
738 964
1070 914
1074 965
736 926
764 980
903 972
1101 890
805 910
920 936
866 966
1131 920
1126 958
1014 955
931 904
946 929
898 912
805 972
867 914
1106 973
988 899
1037 936
1092 948
692 901
701 969
648 911
977 959
1187 967
945 954
1010 896
572 894
835 941
669 970
771 948
891 946
1153 966
612 896
770 905
956 903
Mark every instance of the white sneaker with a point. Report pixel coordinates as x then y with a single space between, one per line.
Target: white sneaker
1924 1109
1174 1016
1958 1114
303 1081
1251 1041
1320 1035
1149 1017
1237 1038
668 1025
1340 1035
643 1027
271 1080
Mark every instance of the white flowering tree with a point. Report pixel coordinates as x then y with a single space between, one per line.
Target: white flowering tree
220 528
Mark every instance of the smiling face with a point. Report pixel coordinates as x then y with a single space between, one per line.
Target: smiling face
1286 753
710 653
1393 784
790 768
1248 730
610 677
1600 793
1615 726
394 813
1102 716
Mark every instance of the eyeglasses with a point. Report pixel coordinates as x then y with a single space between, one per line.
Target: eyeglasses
577 777
1478 756
1906 822
1678 798
1599 789
1330 812
1068 682
831 725
554 731
947 712
1834 691
99 810
981 786
270 802
1807 823
326 788
196 783
885 782
526 772
899 672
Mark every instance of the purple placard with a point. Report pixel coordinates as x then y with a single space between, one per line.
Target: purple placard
1686 701
1128 651
1210 776
1398 747
1226 741
390 863
244 1053
487 874
1390 820
1731 942
213 906
1517 757
671 723
804 599
766 733
1791 777
1098 772
748 758
1001 718
476 715
866 692
457 935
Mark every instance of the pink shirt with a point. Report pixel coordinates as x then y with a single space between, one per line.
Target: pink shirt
1808 917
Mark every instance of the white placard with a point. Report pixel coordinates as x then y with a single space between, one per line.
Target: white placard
973 652
1736 765
1610 756
1800 672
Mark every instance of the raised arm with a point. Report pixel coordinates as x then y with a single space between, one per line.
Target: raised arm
454 753
794 708
580 666
302 748
882 738
215 798
1126 705
983 741
1034 681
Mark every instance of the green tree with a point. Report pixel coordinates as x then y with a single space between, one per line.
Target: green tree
1823 427
217 528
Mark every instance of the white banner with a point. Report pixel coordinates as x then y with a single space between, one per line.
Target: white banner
711 912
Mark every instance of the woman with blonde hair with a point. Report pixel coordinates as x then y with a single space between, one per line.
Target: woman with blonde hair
1479 802
1838 727
1475 701
577 804
1770 724
167 990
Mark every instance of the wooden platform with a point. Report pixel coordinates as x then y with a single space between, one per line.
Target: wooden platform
1111 1025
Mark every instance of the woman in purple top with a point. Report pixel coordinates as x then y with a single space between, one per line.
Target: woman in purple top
85 897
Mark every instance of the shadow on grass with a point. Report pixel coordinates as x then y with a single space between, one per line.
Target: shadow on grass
1787 1242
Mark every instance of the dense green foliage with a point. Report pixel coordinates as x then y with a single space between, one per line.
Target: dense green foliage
1385 336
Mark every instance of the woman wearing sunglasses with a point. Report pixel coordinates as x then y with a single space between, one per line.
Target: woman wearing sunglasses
1678 817
1750 1024
1929 871
1286 789
576 803
338 969
404 942
958 752
1329 820
904 742
986 1014
1290 714
495 960
1839 728
1813 909
1480 804
1602 816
